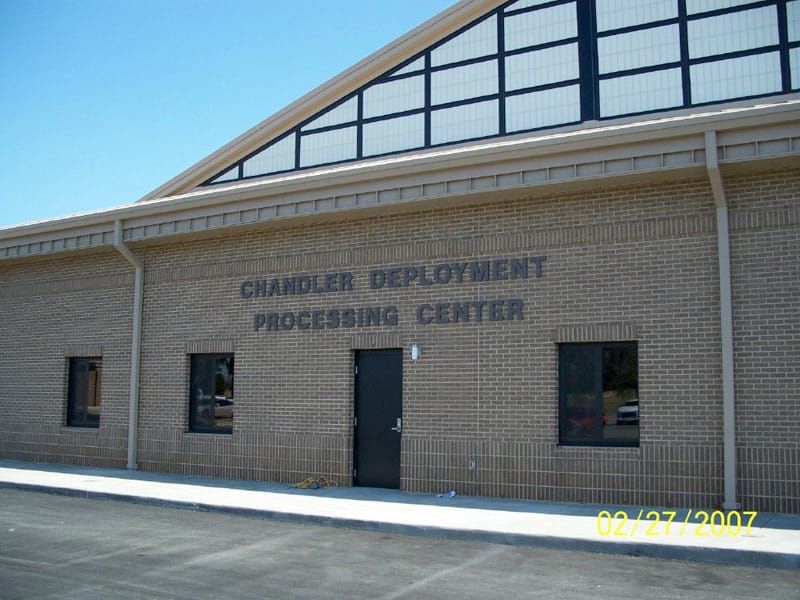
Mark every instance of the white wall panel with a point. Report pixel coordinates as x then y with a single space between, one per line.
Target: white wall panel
551 65
394 96
328 146
614 14
699 6
464 122
640 93
793 18
461 83
736 77
644 48
733 31
411 67
278 157
541 26
794 65
543 109
478 40
229 175
344 113
392 135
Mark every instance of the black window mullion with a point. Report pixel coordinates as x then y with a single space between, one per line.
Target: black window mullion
783 40
545 46
540 88
501 73
640 70
638 27
730 9
684 41
519 11
427 99
587 60
297 148
735 54
360 125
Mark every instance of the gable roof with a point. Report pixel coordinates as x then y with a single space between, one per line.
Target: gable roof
327 94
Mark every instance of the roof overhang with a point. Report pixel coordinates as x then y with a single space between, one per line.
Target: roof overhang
667 145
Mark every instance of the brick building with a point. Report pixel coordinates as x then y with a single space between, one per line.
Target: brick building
536 249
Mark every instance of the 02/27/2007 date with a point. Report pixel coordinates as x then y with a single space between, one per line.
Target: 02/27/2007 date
664 523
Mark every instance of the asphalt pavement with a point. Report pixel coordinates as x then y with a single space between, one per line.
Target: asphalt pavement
760 540
56 547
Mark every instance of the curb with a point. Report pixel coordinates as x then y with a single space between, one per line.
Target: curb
750 558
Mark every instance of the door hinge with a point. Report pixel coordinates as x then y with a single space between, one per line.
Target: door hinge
355 473
355 421
356 369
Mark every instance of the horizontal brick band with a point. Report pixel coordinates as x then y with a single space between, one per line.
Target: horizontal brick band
209 346
79 349
368 341
596 332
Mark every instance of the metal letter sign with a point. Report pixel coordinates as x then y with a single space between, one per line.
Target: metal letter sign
441 313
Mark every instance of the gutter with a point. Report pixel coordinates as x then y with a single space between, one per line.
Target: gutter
136 344
726 323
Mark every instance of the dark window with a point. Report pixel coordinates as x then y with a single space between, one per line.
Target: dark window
599 394
83 401
211 393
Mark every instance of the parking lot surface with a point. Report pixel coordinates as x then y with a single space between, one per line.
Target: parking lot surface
65 547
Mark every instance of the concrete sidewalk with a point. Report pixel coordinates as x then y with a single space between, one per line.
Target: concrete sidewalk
773 540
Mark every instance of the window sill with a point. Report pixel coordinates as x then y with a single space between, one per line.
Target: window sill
80 430
637 450
204 435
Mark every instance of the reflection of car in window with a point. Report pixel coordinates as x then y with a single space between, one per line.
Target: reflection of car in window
223 408
628 413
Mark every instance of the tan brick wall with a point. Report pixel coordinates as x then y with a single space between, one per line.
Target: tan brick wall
51 310
628 261
765 272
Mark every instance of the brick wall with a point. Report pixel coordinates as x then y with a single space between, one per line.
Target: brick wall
626 261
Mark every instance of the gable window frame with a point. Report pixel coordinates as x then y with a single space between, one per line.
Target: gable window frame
655 77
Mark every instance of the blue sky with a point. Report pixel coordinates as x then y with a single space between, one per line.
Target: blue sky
104 100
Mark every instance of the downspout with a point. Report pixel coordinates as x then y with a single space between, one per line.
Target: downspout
726 323
136 344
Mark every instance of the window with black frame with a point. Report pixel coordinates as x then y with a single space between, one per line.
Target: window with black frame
599 394
83 395
211 393
529 65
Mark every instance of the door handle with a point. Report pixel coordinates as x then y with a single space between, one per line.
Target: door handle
399 427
